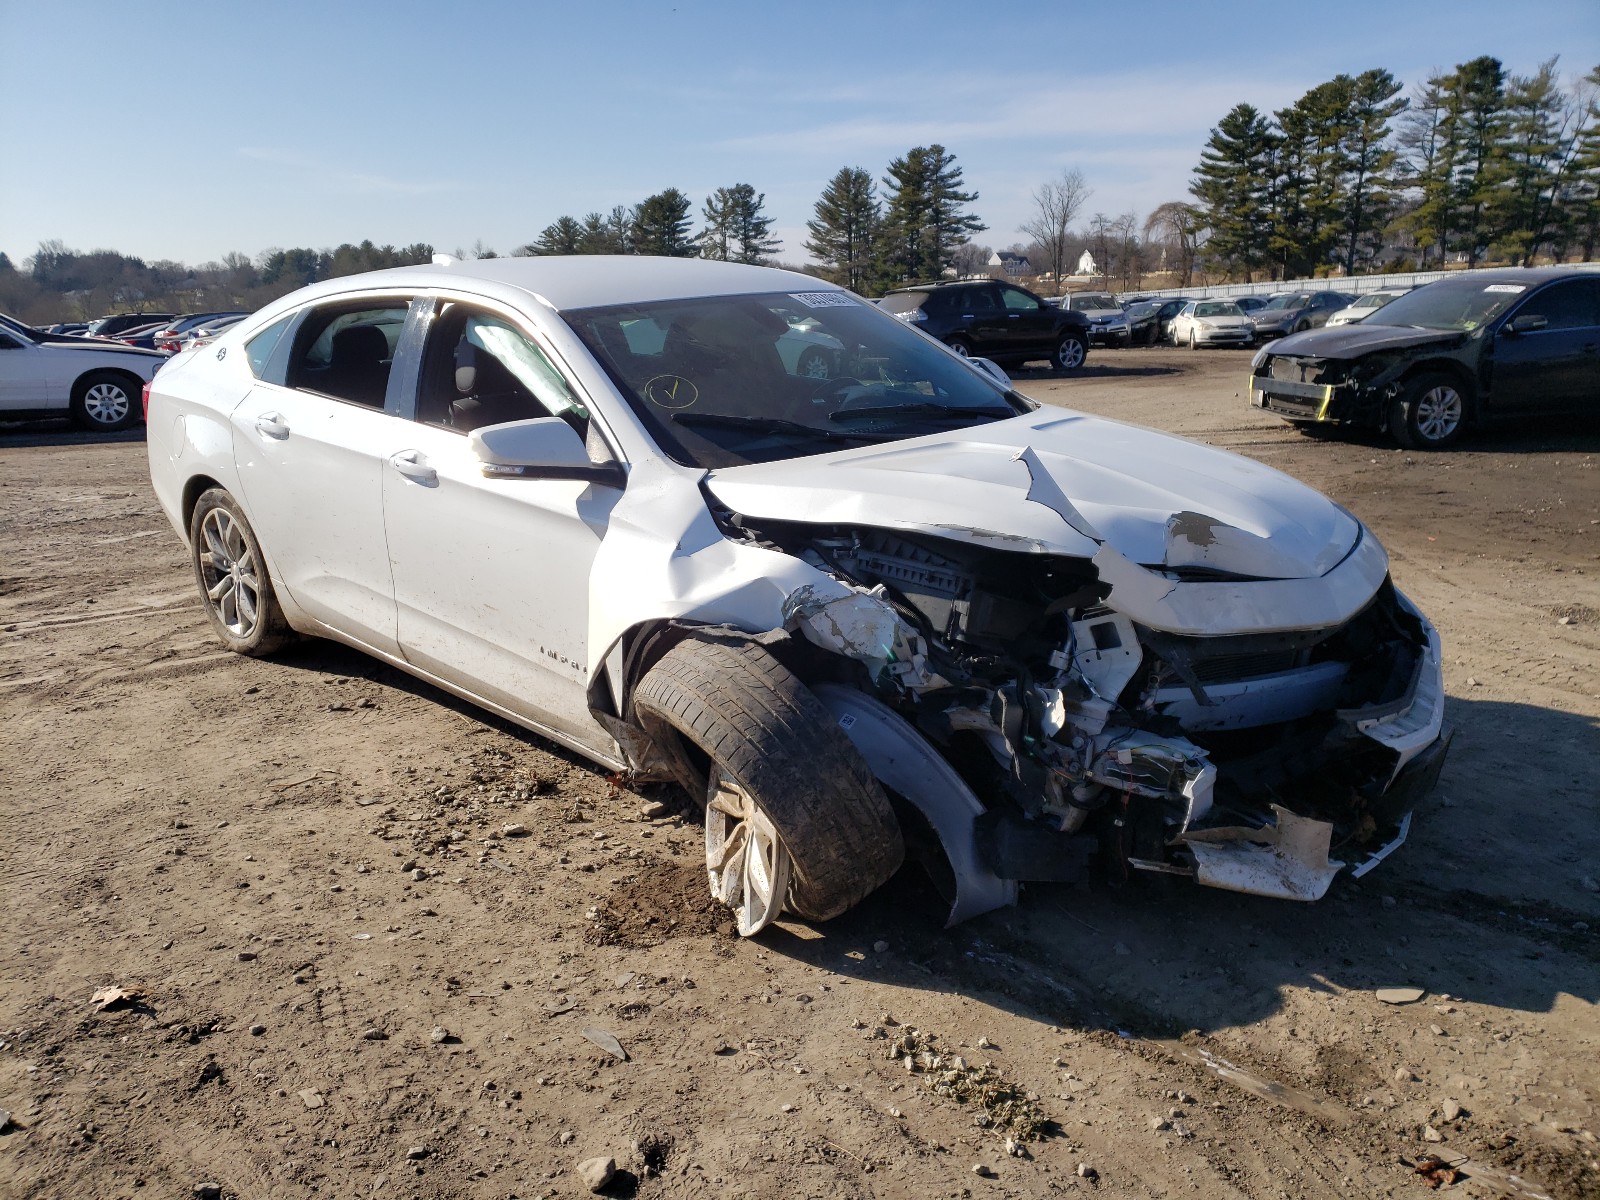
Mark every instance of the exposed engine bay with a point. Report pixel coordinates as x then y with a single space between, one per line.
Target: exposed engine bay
1257 762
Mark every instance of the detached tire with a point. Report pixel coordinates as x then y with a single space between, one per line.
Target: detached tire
232 576
105 401
771 736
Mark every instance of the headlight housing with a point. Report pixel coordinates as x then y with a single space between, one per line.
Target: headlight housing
1260 358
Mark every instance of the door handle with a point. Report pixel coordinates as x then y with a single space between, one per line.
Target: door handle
1012 316
272 425
414 466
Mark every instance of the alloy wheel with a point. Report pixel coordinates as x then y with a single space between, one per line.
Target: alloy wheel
230 573
746 863
1439 411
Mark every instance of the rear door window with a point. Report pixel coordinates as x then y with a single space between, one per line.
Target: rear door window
345 351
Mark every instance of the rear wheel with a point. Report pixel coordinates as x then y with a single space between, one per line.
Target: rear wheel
786 793
232 574
105 401
961 346
1429 414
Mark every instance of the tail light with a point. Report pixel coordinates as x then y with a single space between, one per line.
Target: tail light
144 399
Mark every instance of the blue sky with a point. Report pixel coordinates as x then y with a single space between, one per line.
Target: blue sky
188 131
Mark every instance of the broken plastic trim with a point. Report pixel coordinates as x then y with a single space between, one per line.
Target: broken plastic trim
1286 861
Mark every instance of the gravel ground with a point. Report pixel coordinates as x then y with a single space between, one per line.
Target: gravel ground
373 942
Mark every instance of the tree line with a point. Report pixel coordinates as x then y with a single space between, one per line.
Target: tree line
867 241
1476 164
859 237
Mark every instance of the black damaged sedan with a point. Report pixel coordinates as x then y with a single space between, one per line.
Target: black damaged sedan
1483 347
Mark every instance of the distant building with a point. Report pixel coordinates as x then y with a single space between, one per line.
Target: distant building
1086 265
1012 264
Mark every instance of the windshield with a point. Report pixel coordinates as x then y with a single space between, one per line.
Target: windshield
1089 301
1463 304
1217 308
725 380
1288 300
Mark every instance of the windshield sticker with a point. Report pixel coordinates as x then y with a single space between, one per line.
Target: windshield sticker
1507 287
822 299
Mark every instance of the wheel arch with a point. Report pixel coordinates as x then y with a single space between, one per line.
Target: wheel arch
1458 374
193 488
132 378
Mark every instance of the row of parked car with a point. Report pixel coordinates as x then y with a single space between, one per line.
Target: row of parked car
93 372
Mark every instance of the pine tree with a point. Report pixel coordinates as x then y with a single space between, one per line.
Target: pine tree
925 221
844 232
735 229
1479 89
1538 153
1233 185
1427 138
1311 135
1369 160
564 236
660 225
1584 193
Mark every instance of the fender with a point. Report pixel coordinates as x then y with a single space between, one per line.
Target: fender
903 761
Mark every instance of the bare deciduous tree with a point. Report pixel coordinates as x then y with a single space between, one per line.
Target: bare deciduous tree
1178 226
1056 204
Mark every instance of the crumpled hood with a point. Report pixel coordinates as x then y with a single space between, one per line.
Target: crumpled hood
1159 501
1364 337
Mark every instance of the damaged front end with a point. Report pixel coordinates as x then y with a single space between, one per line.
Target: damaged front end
1068 730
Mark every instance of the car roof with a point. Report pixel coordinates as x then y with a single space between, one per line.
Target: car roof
582 280
1528 275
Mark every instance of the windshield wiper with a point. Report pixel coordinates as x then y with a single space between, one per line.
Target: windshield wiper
921 409
770 425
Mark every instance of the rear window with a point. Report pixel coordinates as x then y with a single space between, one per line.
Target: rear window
899 302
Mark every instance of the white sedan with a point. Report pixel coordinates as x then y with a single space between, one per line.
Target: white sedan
595 496
1211 323
97 384
1364 305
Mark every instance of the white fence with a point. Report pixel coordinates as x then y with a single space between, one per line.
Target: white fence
1353 285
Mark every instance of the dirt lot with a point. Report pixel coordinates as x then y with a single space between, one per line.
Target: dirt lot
366 927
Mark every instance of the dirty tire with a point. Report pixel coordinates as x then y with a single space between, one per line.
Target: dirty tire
255 628
764 727
1430 413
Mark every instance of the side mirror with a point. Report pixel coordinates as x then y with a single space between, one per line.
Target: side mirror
544 448
992 369
1527 323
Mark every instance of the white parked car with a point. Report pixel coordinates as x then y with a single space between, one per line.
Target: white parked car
593 496
1364 305
97 384
1211 323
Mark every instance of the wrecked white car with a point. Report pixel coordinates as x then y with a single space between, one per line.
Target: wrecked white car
860 603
